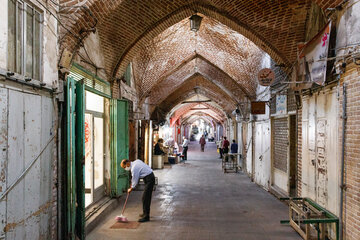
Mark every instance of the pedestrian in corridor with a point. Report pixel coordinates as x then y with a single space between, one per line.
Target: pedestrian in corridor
202 143
220 145
185 147
234 147
225 146
140 170
159 147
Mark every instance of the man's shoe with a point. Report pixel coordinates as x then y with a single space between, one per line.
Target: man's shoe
142 215
144 219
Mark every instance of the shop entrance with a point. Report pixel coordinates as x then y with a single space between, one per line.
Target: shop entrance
97 141
94 148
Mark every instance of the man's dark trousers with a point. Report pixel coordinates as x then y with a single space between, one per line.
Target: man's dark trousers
149 181
185 153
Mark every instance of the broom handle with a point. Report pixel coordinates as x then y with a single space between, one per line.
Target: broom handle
127 196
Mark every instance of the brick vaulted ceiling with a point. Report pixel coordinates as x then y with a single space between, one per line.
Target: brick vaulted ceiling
172 63
127 25
174 53
210 110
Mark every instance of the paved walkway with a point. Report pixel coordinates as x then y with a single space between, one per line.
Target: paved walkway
198 201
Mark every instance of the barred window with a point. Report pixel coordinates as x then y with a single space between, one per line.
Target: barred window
24 39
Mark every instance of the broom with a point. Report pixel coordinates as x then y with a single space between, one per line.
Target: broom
122 218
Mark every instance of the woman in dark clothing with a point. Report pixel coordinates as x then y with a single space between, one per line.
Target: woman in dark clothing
158 147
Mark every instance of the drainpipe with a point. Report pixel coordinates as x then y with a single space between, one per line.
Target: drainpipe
343 183
253 150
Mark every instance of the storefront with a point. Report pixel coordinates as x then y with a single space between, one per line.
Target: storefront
94 147
97 133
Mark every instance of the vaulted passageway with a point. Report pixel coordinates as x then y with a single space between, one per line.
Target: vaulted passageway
85 84
196 200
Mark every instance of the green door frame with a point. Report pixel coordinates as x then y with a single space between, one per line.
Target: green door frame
119 148
70 183
80 160
75 199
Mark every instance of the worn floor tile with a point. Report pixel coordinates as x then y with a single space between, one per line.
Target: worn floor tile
197 201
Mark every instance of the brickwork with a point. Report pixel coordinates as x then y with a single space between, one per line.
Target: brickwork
351 204
291 102
185 111
280 143
115 89
169 85
195 116
299 153
228 56
203 87
126 26
352 153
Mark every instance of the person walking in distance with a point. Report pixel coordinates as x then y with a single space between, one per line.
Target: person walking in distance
202 143
140 170
220 145
234 147
225 146
185 147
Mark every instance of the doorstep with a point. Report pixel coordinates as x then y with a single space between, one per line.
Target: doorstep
277 192
97 213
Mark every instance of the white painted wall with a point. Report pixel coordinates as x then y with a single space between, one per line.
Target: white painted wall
320 149
3 33
262 156
27 124
49 43
280 179
26 211
248 148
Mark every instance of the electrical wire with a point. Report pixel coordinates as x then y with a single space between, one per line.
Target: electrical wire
58 20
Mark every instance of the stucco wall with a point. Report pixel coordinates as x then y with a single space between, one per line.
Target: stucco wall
28 123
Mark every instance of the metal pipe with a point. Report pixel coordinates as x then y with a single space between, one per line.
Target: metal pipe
342 185
252 151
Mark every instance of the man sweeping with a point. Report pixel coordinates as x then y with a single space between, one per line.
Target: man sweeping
140 170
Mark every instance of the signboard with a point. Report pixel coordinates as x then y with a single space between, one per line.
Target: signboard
281 104
266 76
313 56
258 108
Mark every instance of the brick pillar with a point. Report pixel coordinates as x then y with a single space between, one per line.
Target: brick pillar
299 162
351 205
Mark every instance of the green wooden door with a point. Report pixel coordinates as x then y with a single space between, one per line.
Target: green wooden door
71 182
80 160
119 146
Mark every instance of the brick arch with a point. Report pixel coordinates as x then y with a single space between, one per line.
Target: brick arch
191 119
225 50
207 71
204 87
186 118
139 23
185 111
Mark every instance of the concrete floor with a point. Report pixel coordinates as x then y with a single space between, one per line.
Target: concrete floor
198 201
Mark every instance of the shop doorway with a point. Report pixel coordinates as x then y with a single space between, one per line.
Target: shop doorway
94 148
141 140
292 145
132 140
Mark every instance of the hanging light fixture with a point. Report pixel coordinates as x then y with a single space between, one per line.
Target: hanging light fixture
195 21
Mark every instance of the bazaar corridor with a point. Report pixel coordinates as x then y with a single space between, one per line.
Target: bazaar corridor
196 200
242 115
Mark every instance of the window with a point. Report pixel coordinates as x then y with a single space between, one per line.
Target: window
24 39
